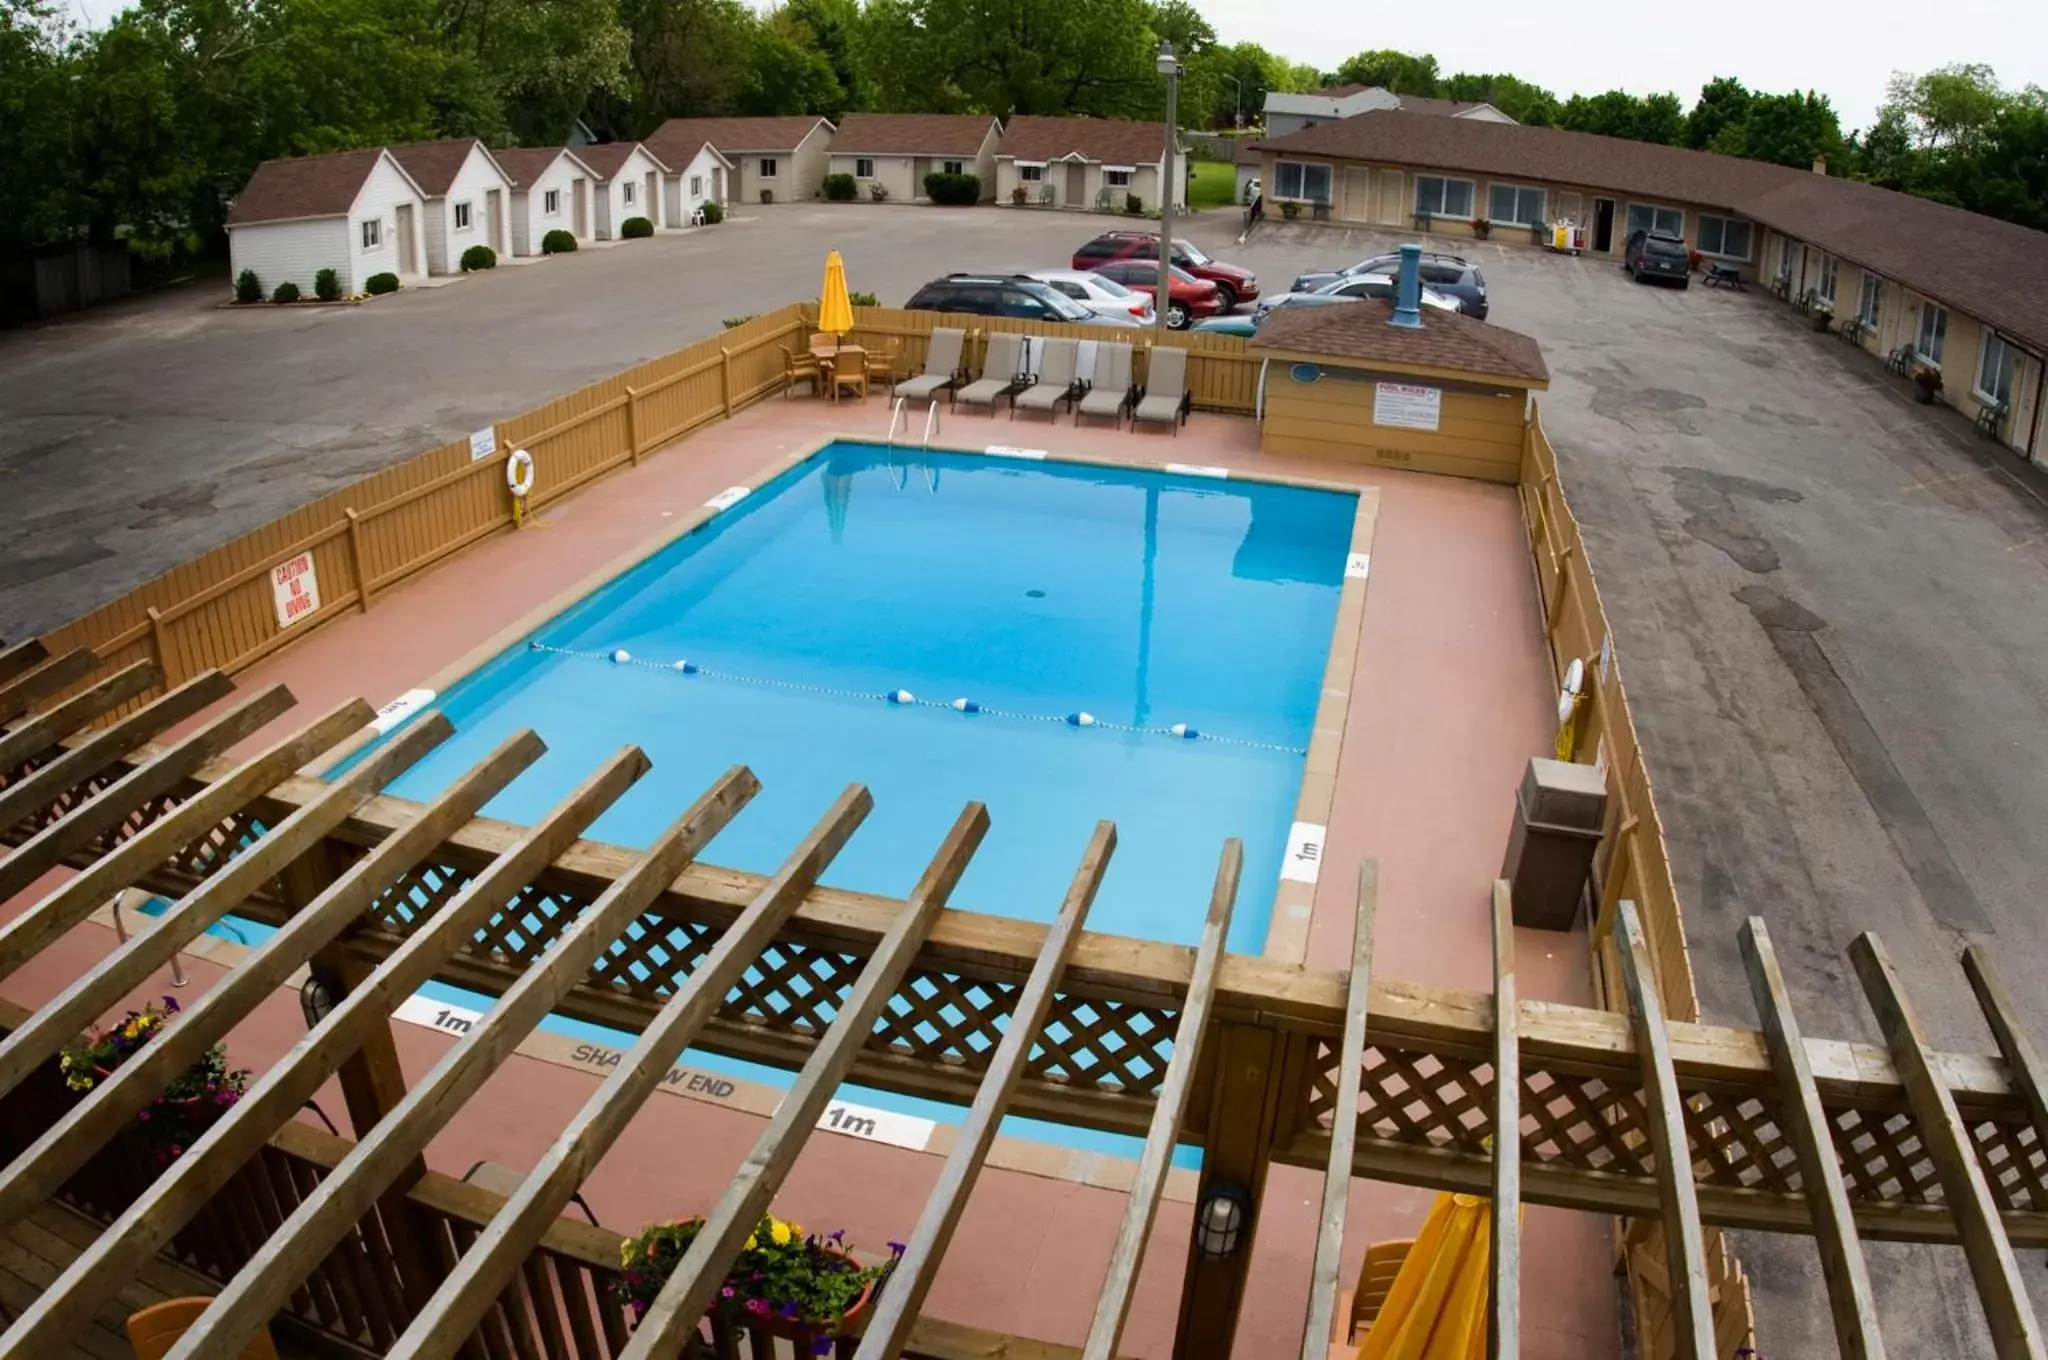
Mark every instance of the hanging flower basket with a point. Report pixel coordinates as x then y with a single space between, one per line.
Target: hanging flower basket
186 1108
785 1283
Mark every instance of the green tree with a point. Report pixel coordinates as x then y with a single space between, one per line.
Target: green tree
1617 113
1396 71
1723 102
1790 129
1005 57
37 182
785 74
688 57
1948 107
1180 23
831 27
541 60
1517 98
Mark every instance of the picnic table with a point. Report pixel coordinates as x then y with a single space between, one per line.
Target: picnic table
1724 276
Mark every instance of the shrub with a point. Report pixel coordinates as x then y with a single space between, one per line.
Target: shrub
841 188
714 213
1134 205
862 300
767 195
1017 195
558 242
327 285
479 257
734 322
952 190
247 287
878 191
380 284
285 292
636 228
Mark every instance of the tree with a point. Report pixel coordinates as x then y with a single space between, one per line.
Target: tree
1617 113
1180 23
36 171
689 59
1790 129
784 74
831 27
1004 57
1948 107
1517 98
1723 102
541 59
1391 70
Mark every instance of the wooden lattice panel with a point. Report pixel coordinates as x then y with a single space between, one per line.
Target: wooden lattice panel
1109 1045
790 987
1883 1157
2015 1164
944 1018
1739 1141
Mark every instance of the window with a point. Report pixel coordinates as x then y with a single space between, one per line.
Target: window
1825 288
1071 289
1727 237
1514 204
1116 177
768 167
626 193
1650 217
954 167
373 233
1933 334
462 217
1871 301
1031 174
696 186
1300 181
551 203
1994 370
1436 196
863 167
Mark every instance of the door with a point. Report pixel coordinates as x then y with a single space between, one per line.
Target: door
579 205
1390 210
406 263
1077 185
494 220
919 168
1603 225
1357 202
652 196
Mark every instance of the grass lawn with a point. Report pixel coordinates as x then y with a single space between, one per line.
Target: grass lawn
1213 184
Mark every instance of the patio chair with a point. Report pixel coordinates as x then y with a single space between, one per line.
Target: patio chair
1055 381
942 371
1164 399
1002 374
1105 199
1046 198
800 367
1375 1278
882 367
1112 392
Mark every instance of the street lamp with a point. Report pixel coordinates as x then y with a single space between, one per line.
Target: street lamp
1236 101
1169 66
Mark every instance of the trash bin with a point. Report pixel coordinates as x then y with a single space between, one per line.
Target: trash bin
1558 813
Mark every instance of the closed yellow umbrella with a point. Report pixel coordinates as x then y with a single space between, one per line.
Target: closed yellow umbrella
1436 1307
835 310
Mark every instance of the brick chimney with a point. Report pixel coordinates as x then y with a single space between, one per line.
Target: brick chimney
1820 165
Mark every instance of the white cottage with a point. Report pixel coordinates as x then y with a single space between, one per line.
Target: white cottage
551 191
702 178
628 185
467 198
355 212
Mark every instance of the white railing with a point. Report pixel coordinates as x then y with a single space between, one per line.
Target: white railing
931 423
899 412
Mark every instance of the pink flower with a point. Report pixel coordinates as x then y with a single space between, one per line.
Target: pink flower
726 1292
758 1307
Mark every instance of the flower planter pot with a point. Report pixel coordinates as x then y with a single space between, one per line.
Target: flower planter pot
805 1335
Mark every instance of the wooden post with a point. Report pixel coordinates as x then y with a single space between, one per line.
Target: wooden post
356 558
2012 1038
1557 590
160 641
1504 1260
725 380
632 427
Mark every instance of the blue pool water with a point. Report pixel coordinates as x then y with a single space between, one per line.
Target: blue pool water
1035 590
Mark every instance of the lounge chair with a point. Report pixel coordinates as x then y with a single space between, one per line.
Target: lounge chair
1111 393
1002 374
1164 399
942 370
1055 381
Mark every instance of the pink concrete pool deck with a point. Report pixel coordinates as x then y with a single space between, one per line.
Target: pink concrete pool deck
1449 697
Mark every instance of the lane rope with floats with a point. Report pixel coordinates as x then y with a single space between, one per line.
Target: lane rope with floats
903 698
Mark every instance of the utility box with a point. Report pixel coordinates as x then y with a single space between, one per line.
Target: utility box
1558 813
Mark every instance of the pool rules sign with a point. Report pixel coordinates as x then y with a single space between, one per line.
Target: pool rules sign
295 588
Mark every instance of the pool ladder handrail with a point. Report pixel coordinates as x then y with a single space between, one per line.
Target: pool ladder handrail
900 411
931 424
178 978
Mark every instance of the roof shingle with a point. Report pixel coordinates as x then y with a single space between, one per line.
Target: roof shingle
1445 340
676 141
434 165
1111 141
525 164
912 134
304 186
606 158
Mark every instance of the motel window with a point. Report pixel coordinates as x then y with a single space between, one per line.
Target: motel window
1117 177
1436 196
551 203
1825 288
1650 217
1297 180
1933 334
768 167
462 217
696 186
1031 174
373 233
1994 369
956 167
863 167
626 193
1514 204
1727 237
1870 301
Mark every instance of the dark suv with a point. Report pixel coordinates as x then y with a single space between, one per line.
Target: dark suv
1017 295
1452 275
1653 255
1233 285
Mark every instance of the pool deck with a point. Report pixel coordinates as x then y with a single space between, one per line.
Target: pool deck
1448 688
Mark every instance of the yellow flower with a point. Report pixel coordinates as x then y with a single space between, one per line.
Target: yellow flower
780 1232
751 1243
626 1253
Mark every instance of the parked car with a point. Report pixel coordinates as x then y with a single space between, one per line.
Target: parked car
1383 286
1104 296
1188 298
1237 323
1234 285
1017 295
1452 275
1652 254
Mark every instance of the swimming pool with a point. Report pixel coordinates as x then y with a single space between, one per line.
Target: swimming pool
944 627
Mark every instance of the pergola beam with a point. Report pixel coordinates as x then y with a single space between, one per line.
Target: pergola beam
42 733
24 679
1504 1224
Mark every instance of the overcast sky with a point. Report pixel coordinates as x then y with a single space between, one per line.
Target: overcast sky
1846 49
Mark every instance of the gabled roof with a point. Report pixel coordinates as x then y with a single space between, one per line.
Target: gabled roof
677 140
1442 108
1109 140
525 164
434 165
1446 340
913 134
306 186
607 158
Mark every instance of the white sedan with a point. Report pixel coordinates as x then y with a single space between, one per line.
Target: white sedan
1103 296
1378 285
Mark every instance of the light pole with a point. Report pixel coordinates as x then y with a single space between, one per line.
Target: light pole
1169 66
1236 101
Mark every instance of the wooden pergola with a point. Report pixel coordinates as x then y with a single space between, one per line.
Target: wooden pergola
1518 1100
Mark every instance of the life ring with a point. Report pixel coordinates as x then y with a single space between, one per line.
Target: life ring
1571 702
519 473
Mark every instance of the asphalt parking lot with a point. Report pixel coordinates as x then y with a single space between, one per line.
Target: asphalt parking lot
1827 602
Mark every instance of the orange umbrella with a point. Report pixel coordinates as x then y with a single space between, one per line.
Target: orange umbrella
1436 1307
